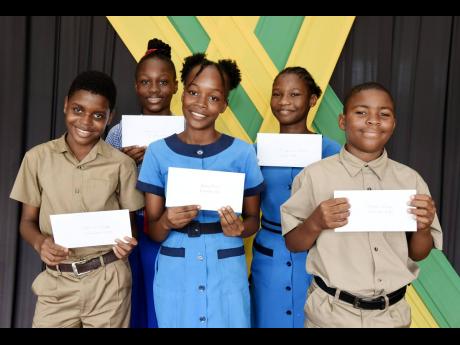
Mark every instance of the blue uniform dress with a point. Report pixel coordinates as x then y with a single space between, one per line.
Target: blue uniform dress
279 280
142 262
201 279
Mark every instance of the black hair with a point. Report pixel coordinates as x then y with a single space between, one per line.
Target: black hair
362 87
156 48
95 82
228 70
304 75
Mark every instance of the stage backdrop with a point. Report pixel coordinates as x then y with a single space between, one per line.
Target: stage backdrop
413 56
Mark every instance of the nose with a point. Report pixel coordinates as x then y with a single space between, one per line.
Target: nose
86 119
285 100
373 119
154 88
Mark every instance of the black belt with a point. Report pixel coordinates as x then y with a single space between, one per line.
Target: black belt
84 266
196 229
363 303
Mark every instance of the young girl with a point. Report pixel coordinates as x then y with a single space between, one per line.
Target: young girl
201 276
155 85
279 280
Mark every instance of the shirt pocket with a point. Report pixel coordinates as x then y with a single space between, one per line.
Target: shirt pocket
100 194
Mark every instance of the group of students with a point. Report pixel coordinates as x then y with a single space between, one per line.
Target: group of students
189 266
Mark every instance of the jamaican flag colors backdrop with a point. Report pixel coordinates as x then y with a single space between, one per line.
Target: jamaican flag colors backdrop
262 46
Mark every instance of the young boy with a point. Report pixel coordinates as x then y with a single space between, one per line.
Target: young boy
360 278
79 172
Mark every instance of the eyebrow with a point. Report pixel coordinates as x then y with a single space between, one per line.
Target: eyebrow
366 106
218 90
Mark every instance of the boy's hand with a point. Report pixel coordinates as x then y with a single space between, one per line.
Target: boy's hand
51 253
180 216
331 214
123 249
232 225
423 212
135 152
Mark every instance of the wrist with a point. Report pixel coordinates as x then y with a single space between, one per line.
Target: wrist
38 243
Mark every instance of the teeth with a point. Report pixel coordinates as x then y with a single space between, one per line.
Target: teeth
83 133
201 116
154 100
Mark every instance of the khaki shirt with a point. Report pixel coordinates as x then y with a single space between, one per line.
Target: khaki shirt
52 179
363 263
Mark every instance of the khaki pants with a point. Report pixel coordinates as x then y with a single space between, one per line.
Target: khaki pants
100 298
324 310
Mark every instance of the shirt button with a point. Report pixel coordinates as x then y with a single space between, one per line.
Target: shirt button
288 288
369 188
376 249
77 191
366 165
199 152
288 312
201 288
379 280
202 319
289 263
200 257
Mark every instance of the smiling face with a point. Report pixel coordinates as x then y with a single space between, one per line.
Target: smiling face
203 98
86 116
155 86
368 122
291 100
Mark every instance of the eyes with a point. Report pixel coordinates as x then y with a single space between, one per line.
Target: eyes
291 94
98 115
384 113
148 82
211 98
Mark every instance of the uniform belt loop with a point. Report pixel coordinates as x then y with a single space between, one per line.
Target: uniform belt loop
387 302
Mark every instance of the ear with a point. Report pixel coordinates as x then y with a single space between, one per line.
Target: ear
342 122
65 104
313 100
175 87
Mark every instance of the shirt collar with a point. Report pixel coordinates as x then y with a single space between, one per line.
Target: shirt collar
354 165
62 147
198 151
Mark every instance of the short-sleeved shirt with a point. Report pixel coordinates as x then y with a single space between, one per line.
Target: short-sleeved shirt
52 179
226 154
114 137
363 263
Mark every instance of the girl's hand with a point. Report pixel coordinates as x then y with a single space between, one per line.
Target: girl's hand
135 152
123 249
232 225
51 253
178 217
423 212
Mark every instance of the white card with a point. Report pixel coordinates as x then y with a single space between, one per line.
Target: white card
208 188
87 229
378 210
288 150
143 129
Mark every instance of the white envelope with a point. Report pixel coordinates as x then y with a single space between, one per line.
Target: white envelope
208 188
378 210
288 150
87 229
143 129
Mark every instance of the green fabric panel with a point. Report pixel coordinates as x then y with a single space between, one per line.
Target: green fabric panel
439 287
191 31
326 119
245 112
277 35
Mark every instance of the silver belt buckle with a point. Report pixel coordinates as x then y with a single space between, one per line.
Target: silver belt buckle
75 270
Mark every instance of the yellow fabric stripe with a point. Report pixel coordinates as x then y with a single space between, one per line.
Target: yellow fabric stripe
318 47
421 317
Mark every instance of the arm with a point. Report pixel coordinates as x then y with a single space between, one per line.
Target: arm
50 253
135 152
421 242
162 219
232 225
330 214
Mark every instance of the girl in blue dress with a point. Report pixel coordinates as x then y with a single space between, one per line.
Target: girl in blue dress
279 280
155 84
201 275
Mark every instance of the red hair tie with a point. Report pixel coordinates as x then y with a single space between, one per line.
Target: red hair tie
150 51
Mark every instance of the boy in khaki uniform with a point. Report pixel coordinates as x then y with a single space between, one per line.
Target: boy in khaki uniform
360 277
79 172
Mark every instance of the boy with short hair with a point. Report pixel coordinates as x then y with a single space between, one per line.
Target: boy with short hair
79 172
360 278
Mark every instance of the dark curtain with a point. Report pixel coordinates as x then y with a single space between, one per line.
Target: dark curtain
415 57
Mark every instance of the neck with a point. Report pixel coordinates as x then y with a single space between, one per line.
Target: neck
296 128
162 112
79 151
364 156
197 137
